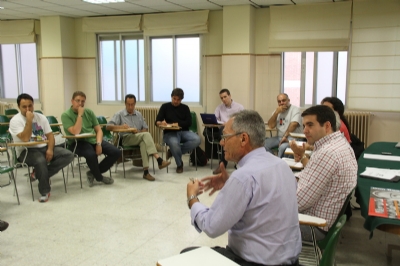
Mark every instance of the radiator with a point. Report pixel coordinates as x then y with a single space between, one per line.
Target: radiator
149 114
359 123
4 106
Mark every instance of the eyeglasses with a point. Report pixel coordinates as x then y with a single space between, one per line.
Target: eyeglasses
225 137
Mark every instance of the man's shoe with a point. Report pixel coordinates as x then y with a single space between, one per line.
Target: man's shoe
107 180
44 198
90 178
163 164
169 154
217 171
148 177
3 225
179 169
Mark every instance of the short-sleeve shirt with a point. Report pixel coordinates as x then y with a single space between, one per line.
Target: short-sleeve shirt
40 127
89 121
135 120
293 114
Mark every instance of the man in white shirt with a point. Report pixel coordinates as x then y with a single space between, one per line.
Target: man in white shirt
286 118
45 158
223 112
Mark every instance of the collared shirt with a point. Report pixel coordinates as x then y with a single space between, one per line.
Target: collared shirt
293 114
134 120
258 208
89 121
223 113
327 179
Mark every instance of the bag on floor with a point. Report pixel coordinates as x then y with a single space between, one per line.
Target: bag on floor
201 157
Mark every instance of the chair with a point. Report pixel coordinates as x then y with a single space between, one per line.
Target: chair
4 126
213 142
10 112
107 136
311 252
8 169
193 128
38 111
118 144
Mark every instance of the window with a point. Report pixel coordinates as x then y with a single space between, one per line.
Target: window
174 61
308 77
18 70
121 67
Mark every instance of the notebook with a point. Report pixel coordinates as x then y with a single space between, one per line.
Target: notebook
209 119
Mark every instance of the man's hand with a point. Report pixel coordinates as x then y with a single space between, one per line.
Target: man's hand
298 151
29 116
193 188
281 109
163 123
125 126
215 182
81 110
134 130
284 139
99 149
49 155
175 124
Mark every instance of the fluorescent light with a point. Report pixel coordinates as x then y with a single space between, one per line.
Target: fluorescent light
103 1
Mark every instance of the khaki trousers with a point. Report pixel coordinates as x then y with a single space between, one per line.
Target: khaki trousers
146 143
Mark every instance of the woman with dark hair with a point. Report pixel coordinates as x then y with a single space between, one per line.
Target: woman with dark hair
337 105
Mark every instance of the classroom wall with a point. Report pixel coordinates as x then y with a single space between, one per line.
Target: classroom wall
236 56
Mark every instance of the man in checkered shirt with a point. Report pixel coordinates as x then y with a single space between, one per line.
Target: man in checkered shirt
329 175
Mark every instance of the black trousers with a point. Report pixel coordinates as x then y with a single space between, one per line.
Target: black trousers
227 252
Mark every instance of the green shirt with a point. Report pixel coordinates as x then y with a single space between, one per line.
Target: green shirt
89 121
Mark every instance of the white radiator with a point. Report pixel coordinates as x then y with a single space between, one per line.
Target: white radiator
359 123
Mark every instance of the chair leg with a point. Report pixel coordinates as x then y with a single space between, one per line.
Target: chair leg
65 184
154 170
212 154
79 167
29 174
11 175
123 162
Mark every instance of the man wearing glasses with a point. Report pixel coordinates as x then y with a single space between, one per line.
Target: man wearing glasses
80 120
261 221
286 118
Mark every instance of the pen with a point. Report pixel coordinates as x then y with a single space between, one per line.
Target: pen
192 179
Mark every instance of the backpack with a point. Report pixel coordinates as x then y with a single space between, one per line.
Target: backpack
201 157
357 145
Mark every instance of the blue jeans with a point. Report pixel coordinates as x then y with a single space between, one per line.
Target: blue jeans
181 142
273 142
43 171
87 150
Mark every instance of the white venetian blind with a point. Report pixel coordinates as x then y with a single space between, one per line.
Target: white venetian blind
310 27
112 24
17 31
193 22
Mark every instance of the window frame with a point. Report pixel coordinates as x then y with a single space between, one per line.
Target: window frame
19 71
315 75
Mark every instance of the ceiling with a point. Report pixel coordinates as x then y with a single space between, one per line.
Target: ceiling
34 9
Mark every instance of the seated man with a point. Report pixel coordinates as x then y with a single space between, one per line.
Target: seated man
79 120
177 114
222 113
256 205
286 118
131 118
45 158
329 175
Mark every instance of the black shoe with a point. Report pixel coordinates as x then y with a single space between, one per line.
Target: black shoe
3 225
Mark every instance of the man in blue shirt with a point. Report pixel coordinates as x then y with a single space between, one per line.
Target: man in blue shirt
257 203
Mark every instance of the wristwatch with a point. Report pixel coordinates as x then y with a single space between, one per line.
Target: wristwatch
190 198
98 143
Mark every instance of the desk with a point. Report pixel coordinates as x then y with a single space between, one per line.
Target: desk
4 123
56 125
364 184
268 129
305 219
27 144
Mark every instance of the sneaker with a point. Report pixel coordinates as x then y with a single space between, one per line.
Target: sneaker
107 180
44 198
163 164
90 178
148 177
3 225
169 154
179 169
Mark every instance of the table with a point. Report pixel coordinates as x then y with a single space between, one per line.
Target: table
268 129
27 143
305 219
56 125
364 184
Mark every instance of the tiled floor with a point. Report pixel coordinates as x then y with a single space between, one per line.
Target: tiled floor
132 222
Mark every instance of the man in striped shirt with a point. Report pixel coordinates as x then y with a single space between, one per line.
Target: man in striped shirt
329 175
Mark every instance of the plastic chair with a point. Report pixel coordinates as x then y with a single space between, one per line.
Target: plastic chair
8 169
53 120
38 111
10 112
107 136
328 256
4 126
